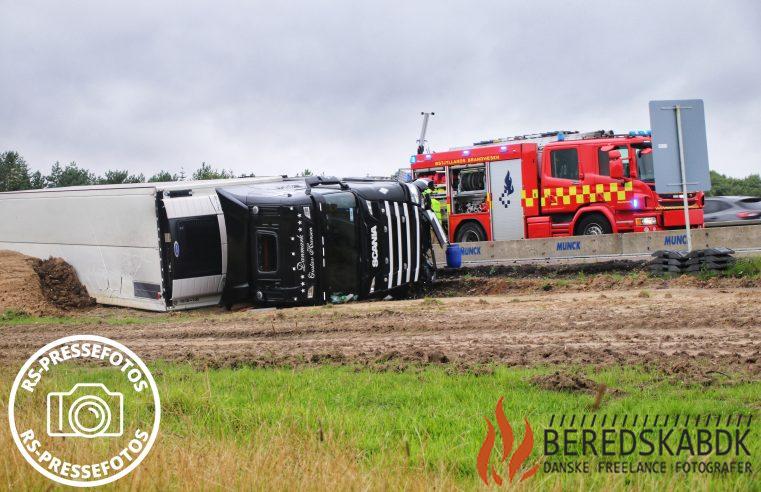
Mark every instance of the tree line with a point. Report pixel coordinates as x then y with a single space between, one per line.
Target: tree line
722 185
15 175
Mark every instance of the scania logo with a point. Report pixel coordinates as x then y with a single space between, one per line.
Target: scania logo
374 245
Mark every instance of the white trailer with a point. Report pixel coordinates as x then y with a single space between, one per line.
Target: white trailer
154 246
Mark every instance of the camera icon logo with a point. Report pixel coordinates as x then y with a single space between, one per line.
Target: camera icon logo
87 410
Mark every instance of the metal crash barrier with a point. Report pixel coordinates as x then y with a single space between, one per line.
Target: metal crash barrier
581 248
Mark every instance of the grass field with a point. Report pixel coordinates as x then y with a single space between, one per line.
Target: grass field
344 428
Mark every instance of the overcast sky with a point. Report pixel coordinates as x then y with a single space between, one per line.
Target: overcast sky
338 86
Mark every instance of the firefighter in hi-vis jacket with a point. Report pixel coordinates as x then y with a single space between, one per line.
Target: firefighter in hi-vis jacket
435 204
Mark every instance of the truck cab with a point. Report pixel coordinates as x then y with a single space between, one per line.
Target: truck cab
319 239
584 191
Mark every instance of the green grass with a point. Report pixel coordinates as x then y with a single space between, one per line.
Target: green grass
745 267
431 301
748 267
12 318
435 414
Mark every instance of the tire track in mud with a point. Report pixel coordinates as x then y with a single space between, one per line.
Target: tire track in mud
687 330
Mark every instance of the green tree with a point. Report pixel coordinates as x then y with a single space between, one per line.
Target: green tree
14 173
722 185
120 177
163 177
71 175
37 180
207 172
306 172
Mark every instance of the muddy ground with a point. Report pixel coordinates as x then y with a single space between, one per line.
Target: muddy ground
697 334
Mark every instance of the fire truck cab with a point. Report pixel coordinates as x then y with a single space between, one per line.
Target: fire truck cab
557 183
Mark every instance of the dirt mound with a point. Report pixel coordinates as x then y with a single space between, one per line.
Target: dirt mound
20 286
61 285
564 382
39 287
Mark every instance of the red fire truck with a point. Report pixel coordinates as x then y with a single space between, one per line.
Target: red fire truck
557 183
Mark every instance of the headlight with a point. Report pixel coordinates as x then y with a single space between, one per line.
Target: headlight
646 221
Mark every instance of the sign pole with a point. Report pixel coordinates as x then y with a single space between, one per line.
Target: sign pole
678 110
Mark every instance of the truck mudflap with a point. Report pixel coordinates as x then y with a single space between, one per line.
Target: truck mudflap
675 217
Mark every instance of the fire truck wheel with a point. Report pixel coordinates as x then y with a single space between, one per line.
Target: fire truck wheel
470 232
593 225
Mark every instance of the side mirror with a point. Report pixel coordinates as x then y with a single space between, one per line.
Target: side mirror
421 184
616 166
617 169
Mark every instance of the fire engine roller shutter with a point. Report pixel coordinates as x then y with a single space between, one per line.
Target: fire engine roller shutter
506 209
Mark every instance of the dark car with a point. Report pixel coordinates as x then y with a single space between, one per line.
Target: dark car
732 210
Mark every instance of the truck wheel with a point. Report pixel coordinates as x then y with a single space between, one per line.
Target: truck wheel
593 225
470 232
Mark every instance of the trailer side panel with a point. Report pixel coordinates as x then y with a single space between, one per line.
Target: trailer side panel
109 236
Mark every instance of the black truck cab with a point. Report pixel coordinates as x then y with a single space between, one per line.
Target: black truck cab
319 239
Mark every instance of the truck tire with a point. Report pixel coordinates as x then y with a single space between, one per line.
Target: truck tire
593 225
470 232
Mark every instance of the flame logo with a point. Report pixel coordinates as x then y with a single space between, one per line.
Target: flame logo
518 458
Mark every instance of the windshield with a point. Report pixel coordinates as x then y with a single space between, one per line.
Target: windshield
645 169
341 243
751 203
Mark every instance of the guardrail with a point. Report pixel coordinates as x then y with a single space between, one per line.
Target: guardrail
740 239
733 223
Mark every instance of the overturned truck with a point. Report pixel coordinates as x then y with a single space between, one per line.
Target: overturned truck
272 241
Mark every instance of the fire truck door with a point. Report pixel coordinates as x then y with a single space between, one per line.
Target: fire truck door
506 184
